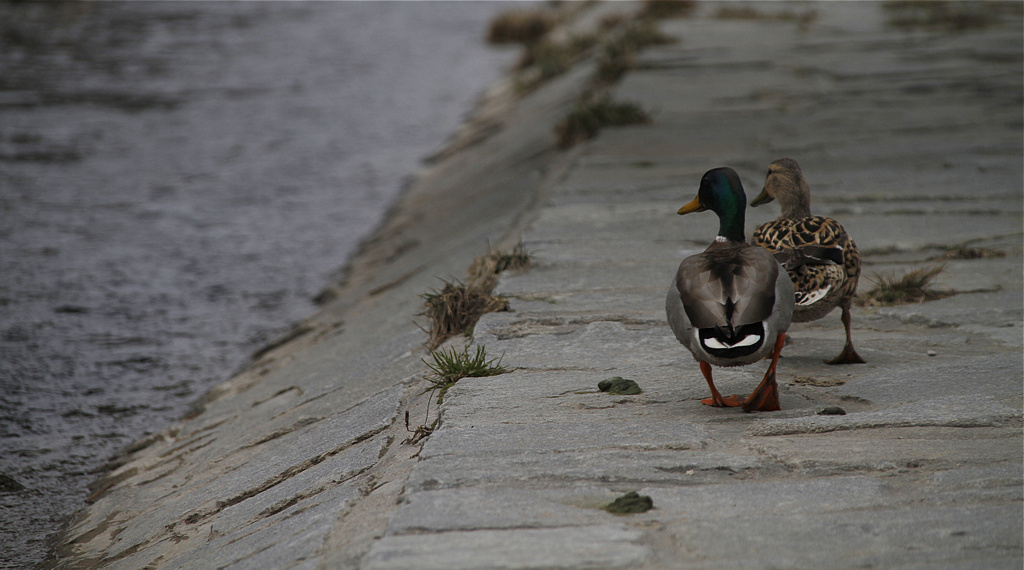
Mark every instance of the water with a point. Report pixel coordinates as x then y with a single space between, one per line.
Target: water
177 182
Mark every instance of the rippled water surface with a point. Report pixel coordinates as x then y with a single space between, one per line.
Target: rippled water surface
177 181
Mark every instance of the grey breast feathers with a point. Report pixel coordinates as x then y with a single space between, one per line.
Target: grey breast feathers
728 286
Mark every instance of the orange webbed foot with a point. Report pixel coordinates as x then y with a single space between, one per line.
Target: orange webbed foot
717 400
765 398
720 401
847 356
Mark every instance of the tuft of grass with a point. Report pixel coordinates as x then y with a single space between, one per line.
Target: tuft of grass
640 34
591 114
450 366
967 252
520 26
618 53
483 272
749 13
518 259
948 15
612 21
545 58
455 309
550 59
667 8
911 287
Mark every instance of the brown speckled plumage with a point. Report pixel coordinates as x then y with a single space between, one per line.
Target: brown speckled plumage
815 271
817 252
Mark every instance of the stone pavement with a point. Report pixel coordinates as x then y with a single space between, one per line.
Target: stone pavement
911 138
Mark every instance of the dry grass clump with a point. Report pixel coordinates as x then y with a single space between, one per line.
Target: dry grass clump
521 26
948 15
455 309
749 13
617 54
543 57
591 114
667 8
550 59
966 252
553 58
911 287
483 272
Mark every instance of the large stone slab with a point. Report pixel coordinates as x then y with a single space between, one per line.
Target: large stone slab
181 506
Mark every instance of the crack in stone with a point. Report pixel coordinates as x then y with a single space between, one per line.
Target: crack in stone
283 431
281 477
295 499
280 392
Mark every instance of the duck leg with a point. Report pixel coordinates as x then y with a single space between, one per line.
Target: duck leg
765 398
716 399
849 354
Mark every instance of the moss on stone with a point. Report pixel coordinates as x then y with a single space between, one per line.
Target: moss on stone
629 504
619 385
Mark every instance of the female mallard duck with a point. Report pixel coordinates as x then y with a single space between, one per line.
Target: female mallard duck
819 255
732 304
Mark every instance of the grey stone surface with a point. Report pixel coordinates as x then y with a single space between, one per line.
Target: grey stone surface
911 138
894 450
953 537
302 477
952 411
616 467
501 508
605 546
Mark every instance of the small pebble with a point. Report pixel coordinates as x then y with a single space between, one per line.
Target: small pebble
832 411
932 353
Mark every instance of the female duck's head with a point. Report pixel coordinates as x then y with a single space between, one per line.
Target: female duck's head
722 192
785 182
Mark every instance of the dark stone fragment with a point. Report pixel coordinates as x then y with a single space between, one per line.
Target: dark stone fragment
630 503
618 385
8 484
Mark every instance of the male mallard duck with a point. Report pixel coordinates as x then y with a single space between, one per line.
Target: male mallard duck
819 255
732 304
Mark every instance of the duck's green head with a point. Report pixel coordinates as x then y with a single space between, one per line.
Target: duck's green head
721 192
